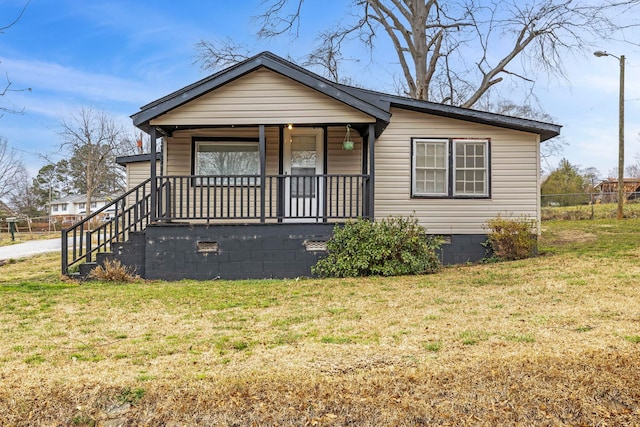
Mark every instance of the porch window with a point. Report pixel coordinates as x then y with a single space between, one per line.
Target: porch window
450 168
236 162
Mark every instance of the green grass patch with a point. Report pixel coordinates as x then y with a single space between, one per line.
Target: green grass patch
336 340
635 339
432 346
526 338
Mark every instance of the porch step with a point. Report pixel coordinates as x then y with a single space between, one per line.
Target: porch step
84 270
101 257
132 252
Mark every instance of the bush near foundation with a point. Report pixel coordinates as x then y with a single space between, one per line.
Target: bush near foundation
511 238
391 247
113 271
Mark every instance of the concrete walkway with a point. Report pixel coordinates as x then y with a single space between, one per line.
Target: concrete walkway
32 247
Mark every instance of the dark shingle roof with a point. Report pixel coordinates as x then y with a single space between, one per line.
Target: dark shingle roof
375 104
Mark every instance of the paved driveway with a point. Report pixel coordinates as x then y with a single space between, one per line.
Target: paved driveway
32 247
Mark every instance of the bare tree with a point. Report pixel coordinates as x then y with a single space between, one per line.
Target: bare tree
219 53
93 138
24 198
456 52
6 88
11 169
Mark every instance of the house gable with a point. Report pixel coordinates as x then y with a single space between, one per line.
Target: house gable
262 96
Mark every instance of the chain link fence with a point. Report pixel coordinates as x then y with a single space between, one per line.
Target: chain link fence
588 205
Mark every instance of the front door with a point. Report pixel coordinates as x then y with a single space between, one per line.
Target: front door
303 165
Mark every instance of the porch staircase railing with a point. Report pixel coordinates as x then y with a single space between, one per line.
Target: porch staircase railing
83 240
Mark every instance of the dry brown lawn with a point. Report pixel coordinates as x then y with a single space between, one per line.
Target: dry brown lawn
553 340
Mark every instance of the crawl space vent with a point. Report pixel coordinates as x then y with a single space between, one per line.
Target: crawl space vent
208 247
316 245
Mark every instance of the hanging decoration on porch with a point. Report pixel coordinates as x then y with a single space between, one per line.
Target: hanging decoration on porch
347 144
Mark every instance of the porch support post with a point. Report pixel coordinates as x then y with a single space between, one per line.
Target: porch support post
280 190
325 165
153 174
371 135
263 168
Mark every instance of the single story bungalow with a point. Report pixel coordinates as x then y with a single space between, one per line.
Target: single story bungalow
261 160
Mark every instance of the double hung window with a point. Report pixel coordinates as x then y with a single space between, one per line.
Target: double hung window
450 167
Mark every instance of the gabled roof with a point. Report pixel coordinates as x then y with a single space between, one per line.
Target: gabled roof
375 104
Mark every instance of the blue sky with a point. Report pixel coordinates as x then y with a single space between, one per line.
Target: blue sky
119 55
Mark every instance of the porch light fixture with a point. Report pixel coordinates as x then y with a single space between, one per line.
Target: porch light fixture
290 126
621 59
347 144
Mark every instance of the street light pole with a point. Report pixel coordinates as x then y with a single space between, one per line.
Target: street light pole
599 54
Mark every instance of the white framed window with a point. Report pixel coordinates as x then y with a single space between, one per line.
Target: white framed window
227 159
94 205
470 163
451 167
54 208
63 207
430 167
81 205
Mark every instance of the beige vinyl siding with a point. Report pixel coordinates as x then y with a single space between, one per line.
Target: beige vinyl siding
262 97
138 172
514 174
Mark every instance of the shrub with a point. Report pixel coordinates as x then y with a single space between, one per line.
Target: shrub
113 271
391 247
511 239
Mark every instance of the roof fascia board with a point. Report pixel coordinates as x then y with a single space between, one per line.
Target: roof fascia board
545 130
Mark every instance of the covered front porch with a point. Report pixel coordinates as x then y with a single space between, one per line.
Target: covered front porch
272 174
223 222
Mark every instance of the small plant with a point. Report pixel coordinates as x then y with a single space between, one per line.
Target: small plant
130 396
113 271
635 339
391 247
511 239
433 346
83 420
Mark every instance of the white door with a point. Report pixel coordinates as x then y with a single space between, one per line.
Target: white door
303 161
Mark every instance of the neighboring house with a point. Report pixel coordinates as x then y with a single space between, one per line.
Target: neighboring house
261 160
73 208
609 189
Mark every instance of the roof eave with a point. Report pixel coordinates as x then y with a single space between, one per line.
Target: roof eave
545 130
